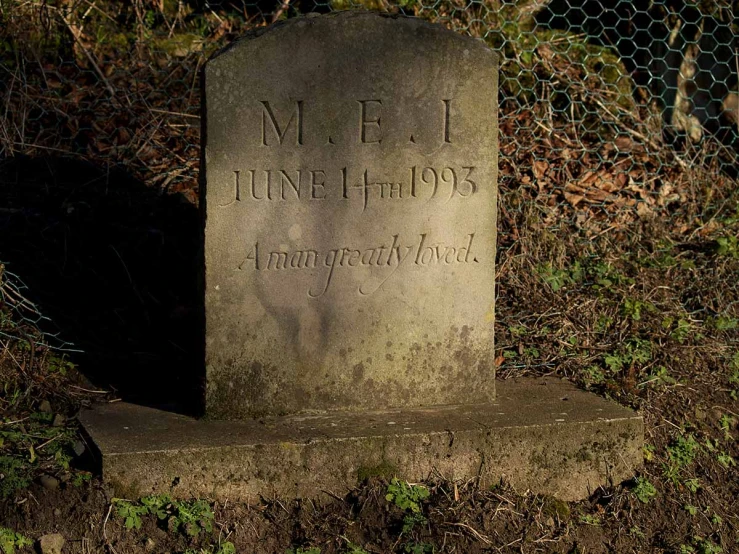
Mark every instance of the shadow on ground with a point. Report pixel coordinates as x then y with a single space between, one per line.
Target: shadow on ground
115 266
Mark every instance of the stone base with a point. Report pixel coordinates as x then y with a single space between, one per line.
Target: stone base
542 435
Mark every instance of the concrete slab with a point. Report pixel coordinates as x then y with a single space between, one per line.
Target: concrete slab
542 435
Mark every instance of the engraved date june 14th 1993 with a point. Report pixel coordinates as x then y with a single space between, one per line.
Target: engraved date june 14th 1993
315 184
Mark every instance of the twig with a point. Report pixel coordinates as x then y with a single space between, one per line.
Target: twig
174 113
278 13
89 390
91 58
637 134
475 533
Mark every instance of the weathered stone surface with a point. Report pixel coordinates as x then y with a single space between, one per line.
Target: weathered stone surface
542 435
350 192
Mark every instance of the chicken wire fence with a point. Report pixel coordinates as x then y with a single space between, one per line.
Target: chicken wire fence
610 91
603 105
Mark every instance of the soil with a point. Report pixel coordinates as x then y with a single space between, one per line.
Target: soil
618 269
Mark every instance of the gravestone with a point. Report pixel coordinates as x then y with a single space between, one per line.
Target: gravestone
350 232
349 192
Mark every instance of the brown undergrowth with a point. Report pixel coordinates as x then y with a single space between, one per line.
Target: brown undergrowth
617 269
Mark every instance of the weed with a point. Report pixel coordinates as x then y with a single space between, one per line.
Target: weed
130 512
681 454
722 323
59 364
716 519
593 375
648 452
10 540
406 496
644 490
692 485
409 498
605 276
603 324
728 246
633 308
726 422
352 548
636 532
680 328
15 474
726 460
704 546
80 478
634 350
190 516
555 278
223 548
311 550
411 520
517 330
660 375
588 519
692 510
418 548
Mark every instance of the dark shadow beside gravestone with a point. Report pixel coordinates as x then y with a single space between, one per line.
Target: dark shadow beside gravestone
114 265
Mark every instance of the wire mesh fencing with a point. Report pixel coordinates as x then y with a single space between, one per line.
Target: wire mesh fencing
621 87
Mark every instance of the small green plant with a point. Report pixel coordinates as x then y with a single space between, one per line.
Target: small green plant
605 276
704 546
224 548
692 510
300 550
722 323
130 512
10 541
192 517
681 454
692 485
16 473
555 278
658 376
409 498
726 422
517 330
644 490
593 375
679 329
728 246
418 548
634 350
352 548
633 308
726 460
59 364
603 324
716 519
406 496
589 519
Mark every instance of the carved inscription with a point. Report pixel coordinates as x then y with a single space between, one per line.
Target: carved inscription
421 251
417 183
362 186
275 123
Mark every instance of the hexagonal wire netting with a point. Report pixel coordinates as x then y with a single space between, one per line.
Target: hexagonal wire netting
603 105
604 84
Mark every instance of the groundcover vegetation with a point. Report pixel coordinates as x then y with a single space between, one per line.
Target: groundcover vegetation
617 269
